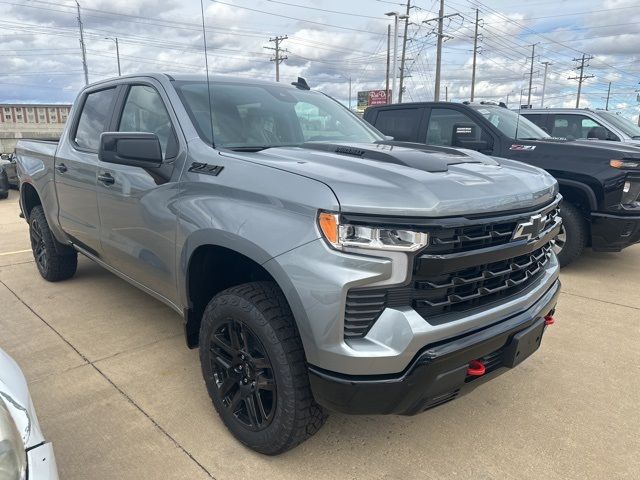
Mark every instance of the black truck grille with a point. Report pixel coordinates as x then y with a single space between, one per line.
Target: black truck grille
477 286
470 237
441 284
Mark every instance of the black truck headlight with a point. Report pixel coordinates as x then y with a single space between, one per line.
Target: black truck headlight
631 193
13 457
341 235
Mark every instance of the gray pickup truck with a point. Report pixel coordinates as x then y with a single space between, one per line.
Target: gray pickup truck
317 264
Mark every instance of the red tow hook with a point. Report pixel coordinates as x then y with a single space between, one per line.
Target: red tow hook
476 368
549 320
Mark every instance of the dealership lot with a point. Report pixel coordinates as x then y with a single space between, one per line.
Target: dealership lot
120 396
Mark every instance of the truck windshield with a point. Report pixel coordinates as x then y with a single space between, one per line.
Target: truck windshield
624 124
257 116
508 123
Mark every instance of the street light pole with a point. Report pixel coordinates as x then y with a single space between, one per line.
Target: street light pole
394 72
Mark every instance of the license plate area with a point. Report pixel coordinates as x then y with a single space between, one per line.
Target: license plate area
523 344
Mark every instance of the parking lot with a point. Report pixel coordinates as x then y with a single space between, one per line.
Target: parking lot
120 396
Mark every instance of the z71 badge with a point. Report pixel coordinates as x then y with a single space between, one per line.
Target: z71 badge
522 147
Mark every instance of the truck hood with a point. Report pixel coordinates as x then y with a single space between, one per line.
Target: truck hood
403 179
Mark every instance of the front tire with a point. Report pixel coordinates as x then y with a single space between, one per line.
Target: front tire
55 261
255 370
572 239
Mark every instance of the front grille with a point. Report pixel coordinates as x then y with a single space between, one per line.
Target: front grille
451 277
477 286
470 237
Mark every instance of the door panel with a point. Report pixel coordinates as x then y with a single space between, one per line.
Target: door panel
76 169
138 223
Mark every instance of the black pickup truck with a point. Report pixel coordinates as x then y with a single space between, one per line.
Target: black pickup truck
599 180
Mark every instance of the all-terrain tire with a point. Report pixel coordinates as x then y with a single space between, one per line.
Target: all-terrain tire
257 315
55 261
574 234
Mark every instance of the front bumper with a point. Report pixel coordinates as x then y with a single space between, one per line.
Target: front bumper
42 463
437 374
612 233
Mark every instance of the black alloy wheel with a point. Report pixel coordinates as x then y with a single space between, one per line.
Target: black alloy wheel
243 374
37 245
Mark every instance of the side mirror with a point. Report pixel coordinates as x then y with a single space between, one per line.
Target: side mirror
133 149
465 136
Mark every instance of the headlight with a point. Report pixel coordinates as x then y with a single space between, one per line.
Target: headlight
625 164
13 458
341 235
631 193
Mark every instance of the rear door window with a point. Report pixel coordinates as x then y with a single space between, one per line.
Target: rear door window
94 118
400 123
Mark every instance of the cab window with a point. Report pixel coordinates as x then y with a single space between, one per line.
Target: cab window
452 128
400 123
144 111
574 127
94 118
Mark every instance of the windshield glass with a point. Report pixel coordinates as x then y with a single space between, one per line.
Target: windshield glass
508 123
624 124
247 116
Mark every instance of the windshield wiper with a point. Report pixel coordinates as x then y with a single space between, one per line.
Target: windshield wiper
530 138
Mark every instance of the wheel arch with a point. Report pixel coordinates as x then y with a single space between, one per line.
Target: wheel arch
29 198
209 267
579 194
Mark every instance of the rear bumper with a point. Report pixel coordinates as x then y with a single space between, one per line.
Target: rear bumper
436 375
612 233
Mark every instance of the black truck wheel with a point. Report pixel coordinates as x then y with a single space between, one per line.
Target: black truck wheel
572 239
55 261
255 369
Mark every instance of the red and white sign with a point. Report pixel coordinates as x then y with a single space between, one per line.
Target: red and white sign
377 97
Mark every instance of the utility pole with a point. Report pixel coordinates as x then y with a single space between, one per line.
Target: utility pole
349 92
388 61
441 17
533 54
115 39
608 94
446 93
82 47
278 58
436 90
544 82
582 77
475 52
404 50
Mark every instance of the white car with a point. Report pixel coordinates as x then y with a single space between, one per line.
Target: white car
24 453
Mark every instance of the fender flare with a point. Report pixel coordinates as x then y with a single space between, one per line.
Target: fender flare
586 189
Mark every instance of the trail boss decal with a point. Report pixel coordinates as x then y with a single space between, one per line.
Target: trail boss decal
522 147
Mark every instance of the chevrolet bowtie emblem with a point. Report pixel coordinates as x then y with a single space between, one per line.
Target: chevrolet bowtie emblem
530 228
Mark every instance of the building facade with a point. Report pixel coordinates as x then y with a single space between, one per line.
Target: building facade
44 121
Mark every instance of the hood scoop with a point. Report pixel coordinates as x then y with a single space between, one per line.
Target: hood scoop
422 157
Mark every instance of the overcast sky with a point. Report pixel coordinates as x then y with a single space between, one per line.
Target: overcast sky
329 41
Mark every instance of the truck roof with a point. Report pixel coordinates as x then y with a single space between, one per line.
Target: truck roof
193 77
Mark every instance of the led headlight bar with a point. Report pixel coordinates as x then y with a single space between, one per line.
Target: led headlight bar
341 235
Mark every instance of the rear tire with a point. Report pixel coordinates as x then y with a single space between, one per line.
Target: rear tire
572 239
255 370
55 261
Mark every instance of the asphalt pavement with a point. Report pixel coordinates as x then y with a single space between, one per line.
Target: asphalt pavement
121 397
